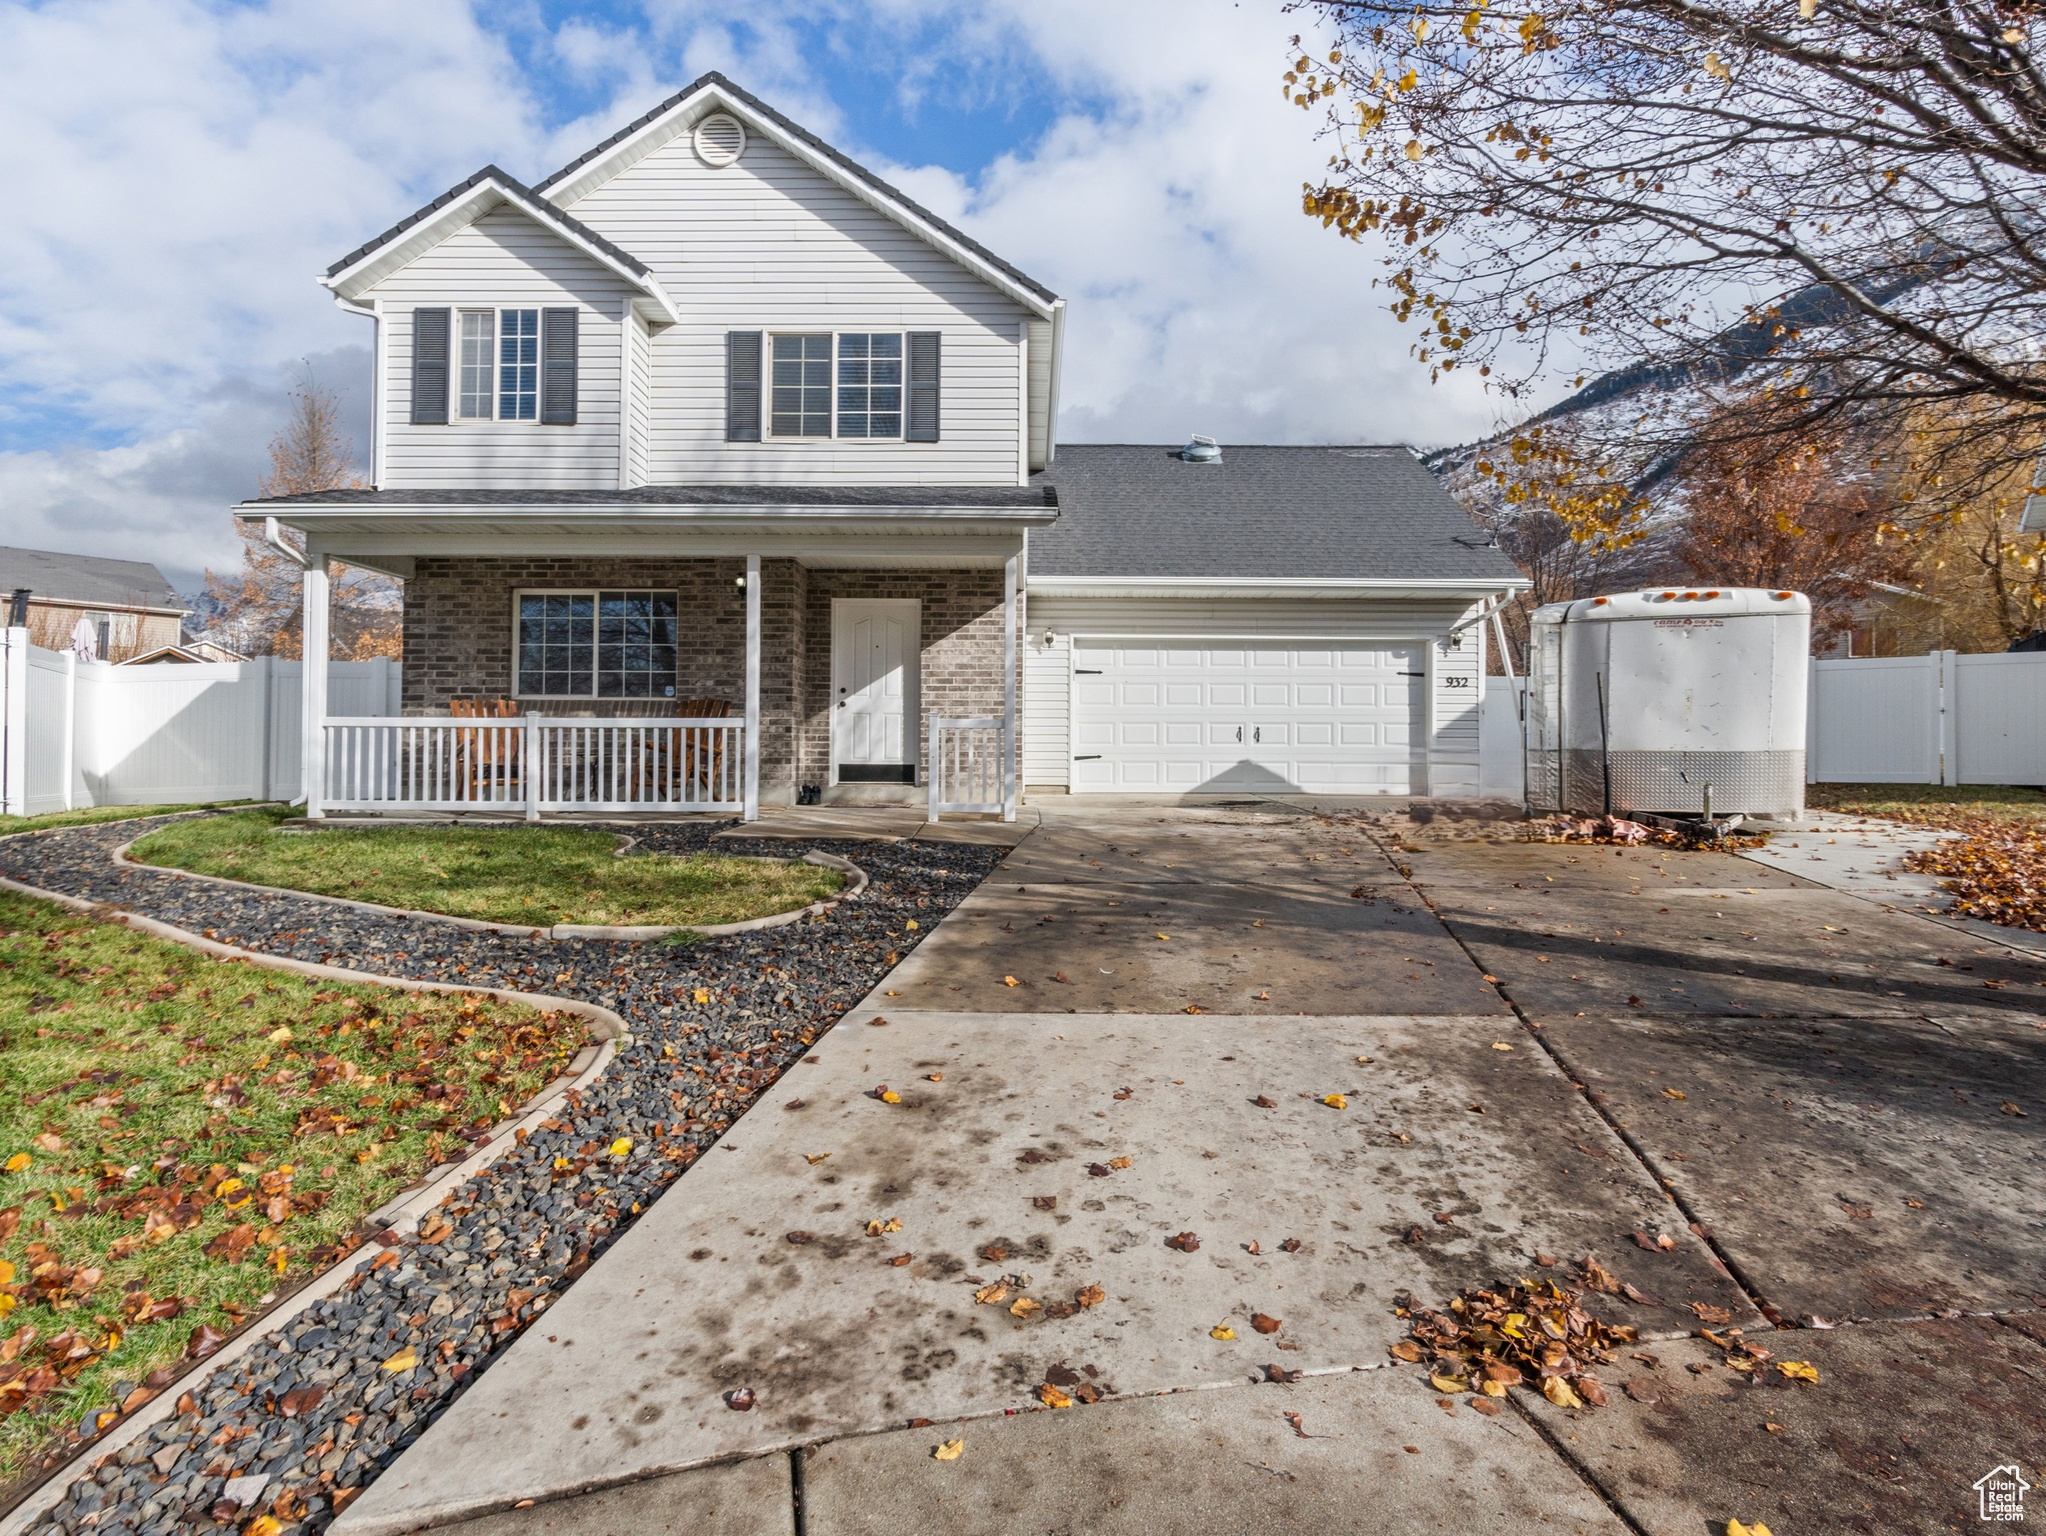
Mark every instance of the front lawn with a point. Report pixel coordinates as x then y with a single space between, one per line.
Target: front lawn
180 1135
540 875
93 815
1996 869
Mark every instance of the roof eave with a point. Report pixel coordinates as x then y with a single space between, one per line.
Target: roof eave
1314 587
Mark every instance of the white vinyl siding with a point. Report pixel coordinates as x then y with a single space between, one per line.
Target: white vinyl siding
1452 704
768 244
1040 393
504 260
638 386
1047 662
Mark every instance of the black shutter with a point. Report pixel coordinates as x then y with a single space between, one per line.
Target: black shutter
922 423
430 367
557 367
742 386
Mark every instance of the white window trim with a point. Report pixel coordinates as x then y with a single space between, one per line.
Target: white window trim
518 689
769 437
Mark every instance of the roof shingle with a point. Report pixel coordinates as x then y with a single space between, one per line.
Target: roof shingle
1272 513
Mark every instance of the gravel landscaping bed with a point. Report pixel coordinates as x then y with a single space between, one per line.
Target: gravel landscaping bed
292 1430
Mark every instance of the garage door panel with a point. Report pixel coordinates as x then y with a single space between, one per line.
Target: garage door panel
1327 717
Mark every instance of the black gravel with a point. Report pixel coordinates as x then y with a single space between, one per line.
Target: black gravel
523 1230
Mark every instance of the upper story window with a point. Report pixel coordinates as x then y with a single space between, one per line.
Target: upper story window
854 384
870 385
479 347
518 365
801 400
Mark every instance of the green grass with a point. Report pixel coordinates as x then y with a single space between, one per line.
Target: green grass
139 1081
94 815
539 875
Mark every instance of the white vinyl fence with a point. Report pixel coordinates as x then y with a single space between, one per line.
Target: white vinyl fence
1941 718
76 734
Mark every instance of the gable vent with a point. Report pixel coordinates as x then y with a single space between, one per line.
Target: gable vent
719 139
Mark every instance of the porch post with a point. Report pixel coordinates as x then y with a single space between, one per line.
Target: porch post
752 687
313 686
1009 769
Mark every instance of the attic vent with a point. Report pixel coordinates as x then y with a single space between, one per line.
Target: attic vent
1202 450
719 139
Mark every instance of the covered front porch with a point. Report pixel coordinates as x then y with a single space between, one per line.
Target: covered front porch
676 658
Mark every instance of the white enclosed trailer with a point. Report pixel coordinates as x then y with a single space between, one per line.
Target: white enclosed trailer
1638 701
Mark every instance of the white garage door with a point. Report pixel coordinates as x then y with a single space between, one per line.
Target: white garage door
1340 717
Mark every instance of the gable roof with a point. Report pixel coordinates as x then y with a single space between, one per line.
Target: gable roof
714 91
47 573
463 204
1328 514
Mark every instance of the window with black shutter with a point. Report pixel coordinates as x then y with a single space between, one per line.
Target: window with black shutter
924 366
742 386
430 367
558 367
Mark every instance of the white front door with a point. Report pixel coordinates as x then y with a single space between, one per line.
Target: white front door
874 652
1208 716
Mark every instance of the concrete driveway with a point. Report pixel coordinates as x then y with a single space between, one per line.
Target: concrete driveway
1128 1037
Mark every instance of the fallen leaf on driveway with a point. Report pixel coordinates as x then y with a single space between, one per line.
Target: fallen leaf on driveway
1052 1397
1407 1350
1486 1406
1119 1162
877 1226
814 1158
1025 1308
1557 1391
951 1450
1264 1103
1735 1528
994 1253
1674 1093
1638 1297
1858 1212
1264 1324
1251 1248
991 1293
2012 1109
800 1237
1290 1245
1335 1101
740 1400
1222 1331
1045 1202
1010 981
1185 1242
1442 1383
1090 1296
1713 1315
1799 1370
1099 1170
1501 1045
1643 1392
901 1259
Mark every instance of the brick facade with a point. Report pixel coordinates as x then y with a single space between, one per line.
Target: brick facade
459 641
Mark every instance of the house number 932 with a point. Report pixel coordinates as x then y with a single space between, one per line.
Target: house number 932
1456 682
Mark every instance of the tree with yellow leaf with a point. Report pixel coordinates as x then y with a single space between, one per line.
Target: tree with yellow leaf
1837 201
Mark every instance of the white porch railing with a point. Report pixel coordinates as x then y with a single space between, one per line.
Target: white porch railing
969 767
533 764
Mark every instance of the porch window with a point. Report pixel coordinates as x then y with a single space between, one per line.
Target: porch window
518 365
870 385
479 335
605 645
801 403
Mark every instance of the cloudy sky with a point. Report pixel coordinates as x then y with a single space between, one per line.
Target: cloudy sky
178 171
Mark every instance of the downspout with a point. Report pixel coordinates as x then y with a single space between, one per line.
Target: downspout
273 535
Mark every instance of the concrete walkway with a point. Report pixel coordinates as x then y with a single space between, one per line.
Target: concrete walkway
1129 1033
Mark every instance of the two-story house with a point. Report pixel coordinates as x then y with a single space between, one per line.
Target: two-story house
718 471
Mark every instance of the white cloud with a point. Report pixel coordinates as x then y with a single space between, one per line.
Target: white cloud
178 171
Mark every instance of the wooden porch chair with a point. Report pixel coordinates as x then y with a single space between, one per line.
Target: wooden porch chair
701 762
485 763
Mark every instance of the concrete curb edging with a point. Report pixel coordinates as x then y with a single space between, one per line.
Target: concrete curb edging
857 883
403 1214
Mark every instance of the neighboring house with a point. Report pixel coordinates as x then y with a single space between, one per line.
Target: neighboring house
187 652
127 604
713 419
1890 620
